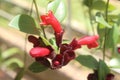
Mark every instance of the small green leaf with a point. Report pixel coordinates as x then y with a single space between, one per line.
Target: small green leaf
59 9
100 19
37 67
24 23
10 52
88 61
103 70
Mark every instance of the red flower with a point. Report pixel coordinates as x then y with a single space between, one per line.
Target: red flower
50 19
90 41
39 52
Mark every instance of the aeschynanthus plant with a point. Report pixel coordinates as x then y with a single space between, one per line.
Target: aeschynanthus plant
65 51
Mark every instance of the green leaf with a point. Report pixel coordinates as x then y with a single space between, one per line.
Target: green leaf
24 23
59 9
100 19
101 5
20 74
115 62
37 67
88 61
88 3
10 52
11 61
103 70
116 34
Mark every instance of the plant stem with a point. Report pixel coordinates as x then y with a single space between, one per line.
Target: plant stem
37 12
90 15
106 30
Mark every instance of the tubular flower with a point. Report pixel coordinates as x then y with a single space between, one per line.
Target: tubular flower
90 41
39 52
50 19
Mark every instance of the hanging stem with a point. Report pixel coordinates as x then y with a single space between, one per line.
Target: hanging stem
90 15
37 12
91 22
105 38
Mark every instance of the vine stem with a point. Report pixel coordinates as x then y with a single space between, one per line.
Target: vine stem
90 15
105 38
37 12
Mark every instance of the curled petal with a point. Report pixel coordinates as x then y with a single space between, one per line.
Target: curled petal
33 40
39 52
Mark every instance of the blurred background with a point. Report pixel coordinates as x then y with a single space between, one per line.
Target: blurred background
13 46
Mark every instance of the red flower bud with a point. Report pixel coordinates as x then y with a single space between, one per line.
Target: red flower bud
50 19
39 52
118 49
90 41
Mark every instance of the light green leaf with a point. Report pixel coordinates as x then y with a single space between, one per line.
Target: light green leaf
11 61
10 52
24 23
116 34
100 19
103 70
115 62
59 9
37 67
88 61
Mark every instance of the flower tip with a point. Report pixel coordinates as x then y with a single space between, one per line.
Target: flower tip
96 37
39 52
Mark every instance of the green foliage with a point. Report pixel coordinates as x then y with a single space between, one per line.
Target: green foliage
7 59
10 52
100 19
103 70
24 23
88 61
115 62
59 9
37 67
98 5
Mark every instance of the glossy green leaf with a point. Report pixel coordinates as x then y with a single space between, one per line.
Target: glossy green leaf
59 9
100 19
103 70
88 61
101 5
10 52
88 3
20 74
11 61
37 67
24 23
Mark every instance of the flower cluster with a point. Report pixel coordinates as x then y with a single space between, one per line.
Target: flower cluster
46 55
